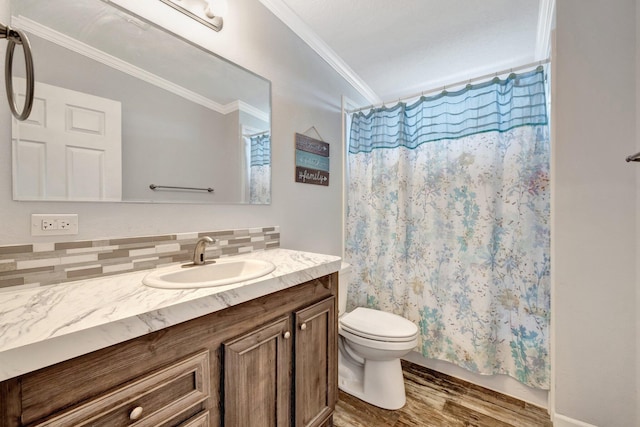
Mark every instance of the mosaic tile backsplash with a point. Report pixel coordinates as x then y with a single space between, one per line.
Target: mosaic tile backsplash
42 264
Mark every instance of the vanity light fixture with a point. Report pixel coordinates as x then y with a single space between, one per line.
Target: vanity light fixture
207 12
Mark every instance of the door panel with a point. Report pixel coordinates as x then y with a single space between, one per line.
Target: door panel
315 364
82 136
257 377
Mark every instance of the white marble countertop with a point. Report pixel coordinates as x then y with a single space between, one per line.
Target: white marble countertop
43 326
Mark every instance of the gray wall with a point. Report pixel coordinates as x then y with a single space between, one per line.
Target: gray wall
305 92
594 213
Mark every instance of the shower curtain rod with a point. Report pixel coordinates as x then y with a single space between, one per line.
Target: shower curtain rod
460 83
255 134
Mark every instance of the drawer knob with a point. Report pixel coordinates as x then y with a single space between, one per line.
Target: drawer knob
303 326
136 413
287 335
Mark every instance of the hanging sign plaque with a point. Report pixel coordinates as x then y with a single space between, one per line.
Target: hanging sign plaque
312 160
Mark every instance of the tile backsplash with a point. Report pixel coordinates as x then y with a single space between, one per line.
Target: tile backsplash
41 264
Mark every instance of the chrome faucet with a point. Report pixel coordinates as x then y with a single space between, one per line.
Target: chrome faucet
198 252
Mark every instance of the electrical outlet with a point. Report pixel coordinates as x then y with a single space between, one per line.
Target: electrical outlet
63 224
54 224
48 224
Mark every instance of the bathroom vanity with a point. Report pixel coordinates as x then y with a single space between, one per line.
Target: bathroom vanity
265 355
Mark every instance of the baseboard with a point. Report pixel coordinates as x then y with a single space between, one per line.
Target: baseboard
563 421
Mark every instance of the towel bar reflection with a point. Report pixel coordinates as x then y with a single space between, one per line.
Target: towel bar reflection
633 158
15 37
157 187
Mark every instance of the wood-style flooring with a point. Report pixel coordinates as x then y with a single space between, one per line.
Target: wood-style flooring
438 400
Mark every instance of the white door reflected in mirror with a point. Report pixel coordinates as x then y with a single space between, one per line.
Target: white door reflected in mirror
69 148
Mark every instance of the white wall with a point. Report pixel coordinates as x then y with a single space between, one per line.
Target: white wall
305 92
595 213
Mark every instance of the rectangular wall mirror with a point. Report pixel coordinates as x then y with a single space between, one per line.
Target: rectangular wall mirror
122 105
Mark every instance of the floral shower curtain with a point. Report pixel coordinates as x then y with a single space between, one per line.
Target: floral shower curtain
448 223
260 169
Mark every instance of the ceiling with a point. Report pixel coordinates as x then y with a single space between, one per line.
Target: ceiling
386 49
396 49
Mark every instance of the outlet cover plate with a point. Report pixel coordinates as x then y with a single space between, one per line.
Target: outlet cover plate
54 224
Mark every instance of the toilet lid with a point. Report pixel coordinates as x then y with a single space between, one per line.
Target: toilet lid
378 325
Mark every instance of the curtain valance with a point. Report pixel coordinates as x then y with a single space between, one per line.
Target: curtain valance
261 149
497 105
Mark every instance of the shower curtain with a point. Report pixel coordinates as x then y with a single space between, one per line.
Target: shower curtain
448 223
260 169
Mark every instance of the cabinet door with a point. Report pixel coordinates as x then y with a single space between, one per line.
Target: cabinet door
257 377
315 363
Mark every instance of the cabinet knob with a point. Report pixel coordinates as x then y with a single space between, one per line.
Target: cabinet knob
287 335
136 413
303 326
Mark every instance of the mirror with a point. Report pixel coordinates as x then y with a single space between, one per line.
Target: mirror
122 104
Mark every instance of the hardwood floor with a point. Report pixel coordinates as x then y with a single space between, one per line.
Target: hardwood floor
439 400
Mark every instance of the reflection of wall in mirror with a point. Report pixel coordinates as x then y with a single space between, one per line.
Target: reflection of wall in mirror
155 122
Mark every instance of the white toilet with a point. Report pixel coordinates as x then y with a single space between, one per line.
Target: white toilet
371 343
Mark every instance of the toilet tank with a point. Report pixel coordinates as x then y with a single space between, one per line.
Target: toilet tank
344 280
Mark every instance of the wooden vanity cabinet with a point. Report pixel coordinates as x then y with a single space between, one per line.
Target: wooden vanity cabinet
257 377
271 361
316 363
258 381
171 396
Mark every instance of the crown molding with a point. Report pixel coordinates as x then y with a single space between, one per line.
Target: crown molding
543 35
88 51
246 108
302 30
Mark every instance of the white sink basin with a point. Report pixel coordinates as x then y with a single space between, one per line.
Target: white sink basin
222 272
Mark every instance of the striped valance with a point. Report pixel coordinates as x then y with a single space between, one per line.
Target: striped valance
261 149
497 105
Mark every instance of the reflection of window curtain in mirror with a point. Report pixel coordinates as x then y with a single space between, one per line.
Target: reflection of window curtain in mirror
260 169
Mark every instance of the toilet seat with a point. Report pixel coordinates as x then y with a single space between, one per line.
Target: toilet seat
378 344
378 325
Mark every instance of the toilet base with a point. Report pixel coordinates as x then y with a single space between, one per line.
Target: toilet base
379 383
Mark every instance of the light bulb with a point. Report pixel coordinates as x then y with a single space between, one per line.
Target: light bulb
208 10
215 8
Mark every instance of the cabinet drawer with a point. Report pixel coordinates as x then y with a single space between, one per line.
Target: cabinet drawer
148 401
201 420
